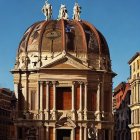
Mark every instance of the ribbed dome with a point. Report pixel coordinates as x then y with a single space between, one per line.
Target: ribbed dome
47 39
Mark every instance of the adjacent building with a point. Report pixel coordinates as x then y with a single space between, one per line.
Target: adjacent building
122 113
134 80
63 80
7 129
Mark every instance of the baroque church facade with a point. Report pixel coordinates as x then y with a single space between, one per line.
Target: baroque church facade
63 80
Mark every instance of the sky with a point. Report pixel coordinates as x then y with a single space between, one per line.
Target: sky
118 20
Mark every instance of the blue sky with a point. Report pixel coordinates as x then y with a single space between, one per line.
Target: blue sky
118 20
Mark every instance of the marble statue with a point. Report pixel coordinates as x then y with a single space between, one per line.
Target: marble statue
76 12
63 13
47 10
92 132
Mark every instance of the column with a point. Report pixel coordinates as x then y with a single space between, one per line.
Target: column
102 93
85 107
41 100
138 138
73 96
54 99
137 92
81 96
85 133
131 96
110 134
16 89
133 117
81 133
80 109
73 134
98 102
134 92
54 133
37 97
26 101
73 100
41 96
131 136
47 99
47 132
139 115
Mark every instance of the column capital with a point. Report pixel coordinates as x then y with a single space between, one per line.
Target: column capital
54 82
73 82
40 82
85 83
47 82
80 82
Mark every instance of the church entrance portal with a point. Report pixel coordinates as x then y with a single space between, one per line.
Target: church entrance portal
63 134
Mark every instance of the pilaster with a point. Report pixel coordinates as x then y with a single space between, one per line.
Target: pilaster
73 100
80 109
47 99
54 99
41 100
98 102
85 107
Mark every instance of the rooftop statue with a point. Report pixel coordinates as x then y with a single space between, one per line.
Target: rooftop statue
47 10
63 13
76 11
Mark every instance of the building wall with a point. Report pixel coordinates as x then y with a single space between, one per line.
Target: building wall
122 114
84 109
135 96
7 128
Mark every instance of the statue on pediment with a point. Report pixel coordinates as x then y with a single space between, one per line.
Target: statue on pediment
92 132
63 13
76 12
47 10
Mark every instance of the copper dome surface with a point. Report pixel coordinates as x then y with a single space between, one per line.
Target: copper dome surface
78 38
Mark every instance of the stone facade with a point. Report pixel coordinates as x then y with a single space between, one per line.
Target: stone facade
63 82
135 96
122 114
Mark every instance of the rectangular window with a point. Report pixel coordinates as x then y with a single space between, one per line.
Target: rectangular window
133 67
63 99
138 65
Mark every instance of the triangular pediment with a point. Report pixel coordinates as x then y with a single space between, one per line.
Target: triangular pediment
65 62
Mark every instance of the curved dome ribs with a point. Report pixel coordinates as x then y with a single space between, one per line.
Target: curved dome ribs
104 43
84 47
22 44
96 33
63 34
45 40
28 37
40 39
70 36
